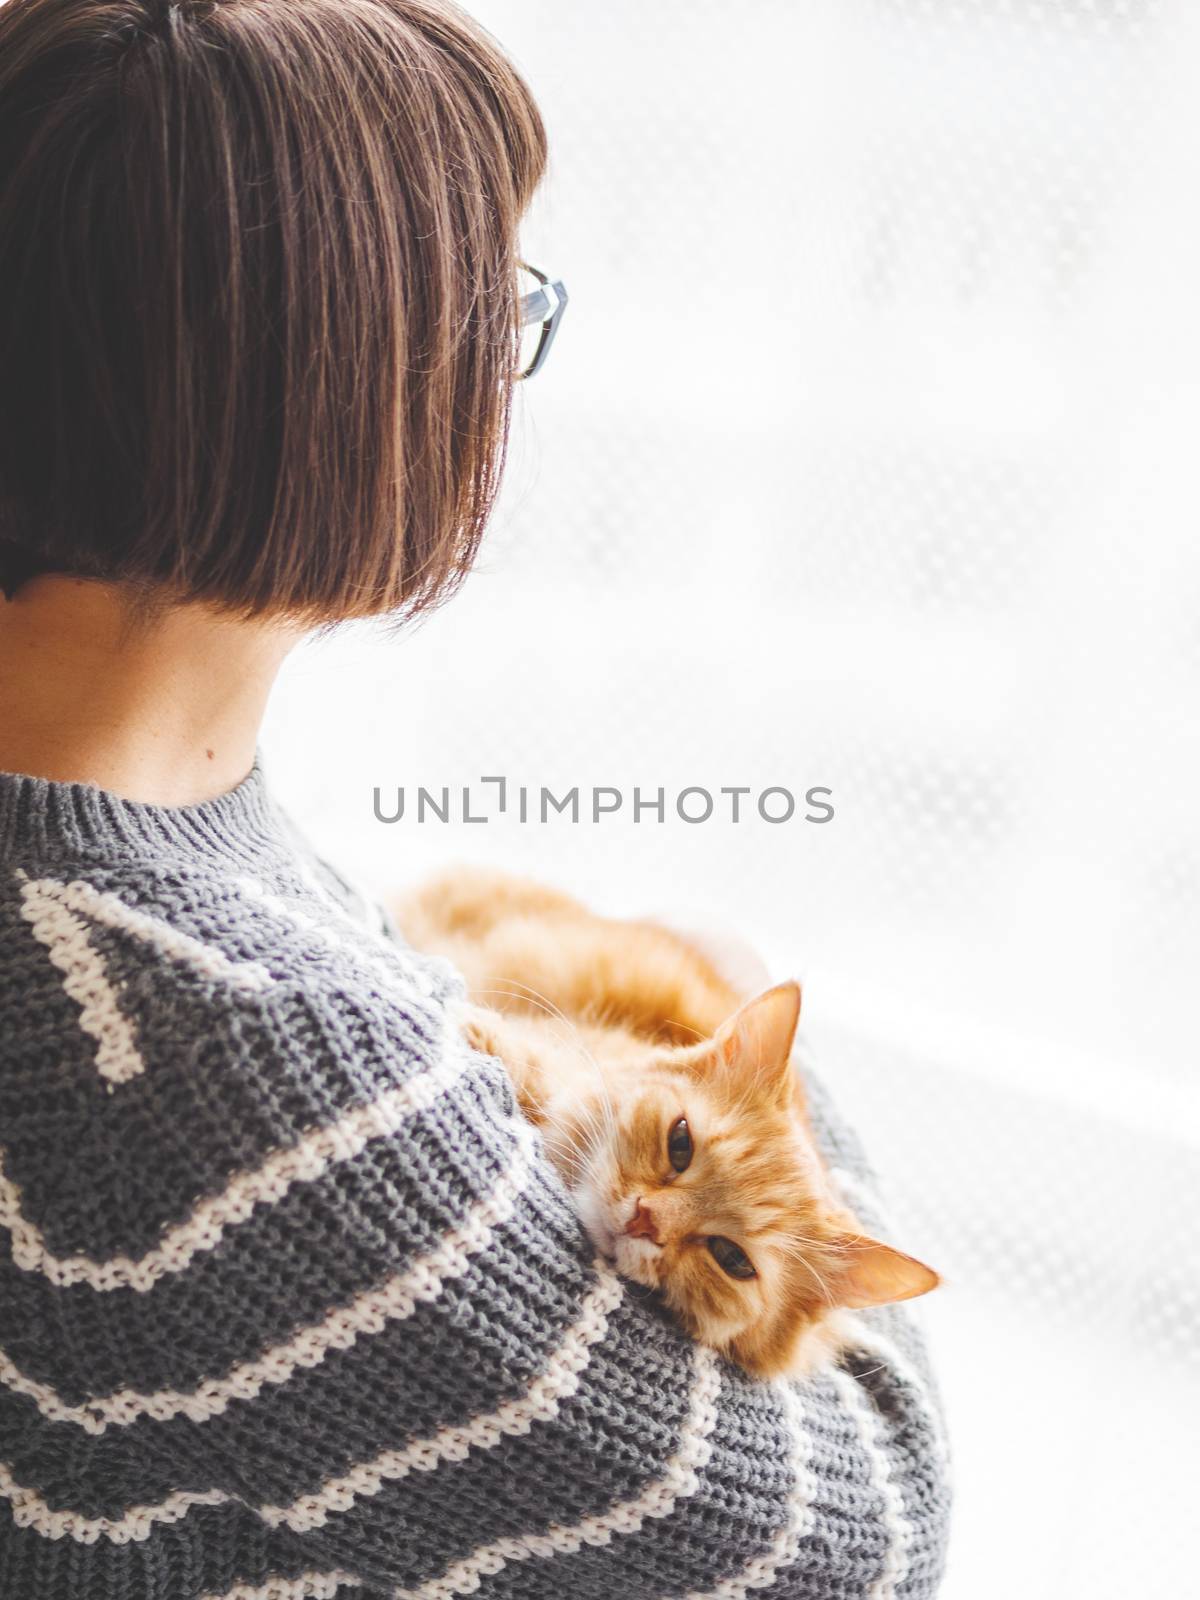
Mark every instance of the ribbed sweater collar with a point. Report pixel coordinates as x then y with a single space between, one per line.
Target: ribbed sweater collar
42 820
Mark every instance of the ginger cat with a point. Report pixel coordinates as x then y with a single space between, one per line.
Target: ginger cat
671 1107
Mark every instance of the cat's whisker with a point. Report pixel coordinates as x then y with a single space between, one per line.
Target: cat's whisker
686 1027
569 1031
516 990
826 1292
870 1372
552 1012
583 1129
558 1122
797 1248
567 1130
797 1243
530 994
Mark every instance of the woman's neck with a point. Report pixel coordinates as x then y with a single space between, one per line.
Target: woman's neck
164 708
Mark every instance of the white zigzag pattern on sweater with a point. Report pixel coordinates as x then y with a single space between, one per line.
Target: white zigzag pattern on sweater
29 1510
756 1575
308 1586
679 1479
371 951
423 1281
896 1525
873 1343
68 943
266 1184
56 911
785 1546
540 1403
393 1300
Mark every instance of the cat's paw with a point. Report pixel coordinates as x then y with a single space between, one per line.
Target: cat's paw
479 1028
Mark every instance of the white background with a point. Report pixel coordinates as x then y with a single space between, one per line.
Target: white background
868 457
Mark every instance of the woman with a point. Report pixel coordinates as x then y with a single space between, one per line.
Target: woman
290 1302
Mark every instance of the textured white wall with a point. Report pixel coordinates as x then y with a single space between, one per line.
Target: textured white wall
866 458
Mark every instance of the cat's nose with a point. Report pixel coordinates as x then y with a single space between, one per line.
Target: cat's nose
641 1225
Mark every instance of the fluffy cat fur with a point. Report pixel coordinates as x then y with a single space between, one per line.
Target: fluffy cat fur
614 1033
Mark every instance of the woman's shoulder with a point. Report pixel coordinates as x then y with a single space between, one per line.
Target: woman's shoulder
173 1032
231 928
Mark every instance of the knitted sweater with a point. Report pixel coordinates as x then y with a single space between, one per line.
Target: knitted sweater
292 1304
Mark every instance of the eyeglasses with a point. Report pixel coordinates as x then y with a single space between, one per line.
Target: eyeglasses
542 307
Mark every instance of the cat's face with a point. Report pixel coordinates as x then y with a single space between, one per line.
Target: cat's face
701 1181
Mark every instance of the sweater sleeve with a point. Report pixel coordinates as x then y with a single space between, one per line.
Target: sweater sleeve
312 1283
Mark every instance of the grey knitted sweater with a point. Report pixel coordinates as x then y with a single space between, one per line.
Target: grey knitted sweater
292 1305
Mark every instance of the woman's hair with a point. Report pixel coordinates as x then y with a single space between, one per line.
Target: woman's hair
258 297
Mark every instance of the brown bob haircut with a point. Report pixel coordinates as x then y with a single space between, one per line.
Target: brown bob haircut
258 296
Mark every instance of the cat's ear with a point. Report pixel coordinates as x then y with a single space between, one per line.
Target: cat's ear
755 1045
870 1273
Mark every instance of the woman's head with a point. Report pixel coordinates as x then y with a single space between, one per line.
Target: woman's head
258 291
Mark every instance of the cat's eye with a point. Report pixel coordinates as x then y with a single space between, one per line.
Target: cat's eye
679 1145
731 1258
